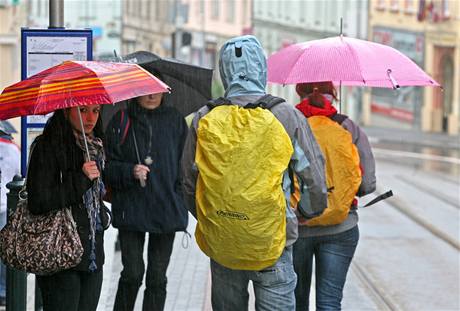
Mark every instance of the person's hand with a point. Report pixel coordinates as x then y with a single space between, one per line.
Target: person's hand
140 172
90 170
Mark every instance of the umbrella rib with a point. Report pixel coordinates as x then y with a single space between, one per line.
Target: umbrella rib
356 58
295 65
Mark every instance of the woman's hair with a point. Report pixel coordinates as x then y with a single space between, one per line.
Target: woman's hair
314 90
59 125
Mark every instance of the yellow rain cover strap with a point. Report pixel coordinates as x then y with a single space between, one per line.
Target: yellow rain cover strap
241 156
343 175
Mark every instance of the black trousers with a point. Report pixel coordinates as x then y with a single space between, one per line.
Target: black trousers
158 255
70 290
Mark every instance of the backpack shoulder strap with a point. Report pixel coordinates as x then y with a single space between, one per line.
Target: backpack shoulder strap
267 102
125 122
339 118
218 102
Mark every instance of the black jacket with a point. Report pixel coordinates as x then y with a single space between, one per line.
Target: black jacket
55 180
159 207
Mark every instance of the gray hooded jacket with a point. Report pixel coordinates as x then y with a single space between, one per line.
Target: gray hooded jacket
244 78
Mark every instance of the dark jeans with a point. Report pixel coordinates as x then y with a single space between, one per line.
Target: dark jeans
70 290
158 255
333 255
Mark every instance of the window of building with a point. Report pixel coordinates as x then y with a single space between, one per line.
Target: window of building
230 18
409 6
214 9
394 5
380 5
445 9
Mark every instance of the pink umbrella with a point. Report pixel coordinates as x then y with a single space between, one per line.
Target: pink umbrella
345 61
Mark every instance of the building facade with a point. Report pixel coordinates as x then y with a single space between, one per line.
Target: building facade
428 32
102 16
189 30
147 26
278 24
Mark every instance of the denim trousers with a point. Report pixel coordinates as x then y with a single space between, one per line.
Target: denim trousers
333 255
158 254
273 286
70 290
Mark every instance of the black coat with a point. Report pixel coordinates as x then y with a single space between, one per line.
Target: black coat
55 180
159 207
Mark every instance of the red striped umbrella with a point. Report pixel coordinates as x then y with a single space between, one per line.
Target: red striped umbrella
74 83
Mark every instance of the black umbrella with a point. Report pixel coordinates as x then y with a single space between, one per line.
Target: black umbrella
190 85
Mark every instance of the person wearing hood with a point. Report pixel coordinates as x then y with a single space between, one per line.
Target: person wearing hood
243 70
333 246
10 156
142 169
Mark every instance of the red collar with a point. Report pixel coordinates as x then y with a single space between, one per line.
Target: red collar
310 110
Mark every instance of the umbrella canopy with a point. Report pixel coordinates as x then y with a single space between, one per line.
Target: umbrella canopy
74 83
190 85
347 61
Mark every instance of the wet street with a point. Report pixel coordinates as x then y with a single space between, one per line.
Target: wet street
408 254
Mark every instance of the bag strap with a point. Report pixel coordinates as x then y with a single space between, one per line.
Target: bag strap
339 118
267 101
218 102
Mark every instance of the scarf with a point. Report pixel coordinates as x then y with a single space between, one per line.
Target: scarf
92 198
309 110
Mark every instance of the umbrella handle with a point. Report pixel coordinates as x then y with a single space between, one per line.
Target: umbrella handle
84 135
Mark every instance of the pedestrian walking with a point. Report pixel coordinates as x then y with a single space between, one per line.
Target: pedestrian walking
144 147
10 156
331 238
236 157
60 176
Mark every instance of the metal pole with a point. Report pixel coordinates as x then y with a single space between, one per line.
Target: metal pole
56 12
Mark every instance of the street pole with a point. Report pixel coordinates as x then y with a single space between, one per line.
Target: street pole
56 12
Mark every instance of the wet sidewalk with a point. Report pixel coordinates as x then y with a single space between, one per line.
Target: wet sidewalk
188 275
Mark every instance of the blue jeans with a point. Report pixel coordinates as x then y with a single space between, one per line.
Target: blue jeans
273 286
333 255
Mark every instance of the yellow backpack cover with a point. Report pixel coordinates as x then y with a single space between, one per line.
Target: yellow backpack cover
241 155
343 175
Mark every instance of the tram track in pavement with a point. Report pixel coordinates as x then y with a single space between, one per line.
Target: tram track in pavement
403 208
442 197
378 294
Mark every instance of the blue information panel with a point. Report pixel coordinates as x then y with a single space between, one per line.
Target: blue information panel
40 50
